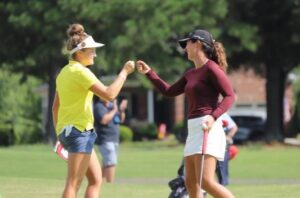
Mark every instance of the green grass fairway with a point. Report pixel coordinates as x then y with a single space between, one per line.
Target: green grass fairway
145 168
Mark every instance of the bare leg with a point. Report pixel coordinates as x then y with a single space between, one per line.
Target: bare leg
94 177
77 167
109 173
209 183
191 182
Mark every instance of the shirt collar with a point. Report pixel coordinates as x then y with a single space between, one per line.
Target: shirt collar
75 63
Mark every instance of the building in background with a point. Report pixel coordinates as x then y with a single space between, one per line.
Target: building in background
250 89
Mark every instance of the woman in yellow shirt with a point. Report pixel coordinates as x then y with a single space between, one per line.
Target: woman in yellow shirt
73 113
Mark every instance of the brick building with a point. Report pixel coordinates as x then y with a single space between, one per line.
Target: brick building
250 89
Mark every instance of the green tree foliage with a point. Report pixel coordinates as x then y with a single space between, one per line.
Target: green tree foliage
134 29
20 107
131 29
278 36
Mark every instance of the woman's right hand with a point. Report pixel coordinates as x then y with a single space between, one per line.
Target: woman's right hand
129 67
209 122
142 67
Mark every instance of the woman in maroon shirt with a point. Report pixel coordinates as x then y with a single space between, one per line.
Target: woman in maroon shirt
202 85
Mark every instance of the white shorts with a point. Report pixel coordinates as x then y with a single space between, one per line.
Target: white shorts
216 140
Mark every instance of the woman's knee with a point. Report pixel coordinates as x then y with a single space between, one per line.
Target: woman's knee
95 180
208 183
74 184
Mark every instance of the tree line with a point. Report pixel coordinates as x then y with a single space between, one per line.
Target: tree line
261 34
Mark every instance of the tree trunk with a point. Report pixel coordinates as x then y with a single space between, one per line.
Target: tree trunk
275 92
50 131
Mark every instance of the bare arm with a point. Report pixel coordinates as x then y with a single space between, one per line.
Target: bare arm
232 131
108 117
122 108
55 108
123 116
167 90
111 92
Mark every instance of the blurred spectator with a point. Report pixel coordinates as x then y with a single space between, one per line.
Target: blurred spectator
107 120
230 129
288 109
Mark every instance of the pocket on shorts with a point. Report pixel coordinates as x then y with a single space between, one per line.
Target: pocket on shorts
81 141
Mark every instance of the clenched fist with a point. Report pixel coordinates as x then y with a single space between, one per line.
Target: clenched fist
129 67
142 67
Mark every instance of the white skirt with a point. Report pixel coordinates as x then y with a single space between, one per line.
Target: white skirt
216 140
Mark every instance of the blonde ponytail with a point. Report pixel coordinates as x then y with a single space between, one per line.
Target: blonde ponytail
219 56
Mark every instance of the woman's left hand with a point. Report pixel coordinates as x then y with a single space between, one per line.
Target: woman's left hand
123 105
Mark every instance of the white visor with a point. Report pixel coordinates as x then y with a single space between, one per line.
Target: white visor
86 43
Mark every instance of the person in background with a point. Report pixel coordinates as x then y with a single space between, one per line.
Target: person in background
202 85
288 106
108 117
73 113
230 129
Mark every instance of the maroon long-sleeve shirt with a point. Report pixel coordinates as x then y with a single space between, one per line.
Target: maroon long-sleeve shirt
202 87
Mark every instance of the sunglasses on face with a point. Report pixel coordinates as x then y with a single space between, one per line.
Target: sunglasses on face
193 40
184 43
